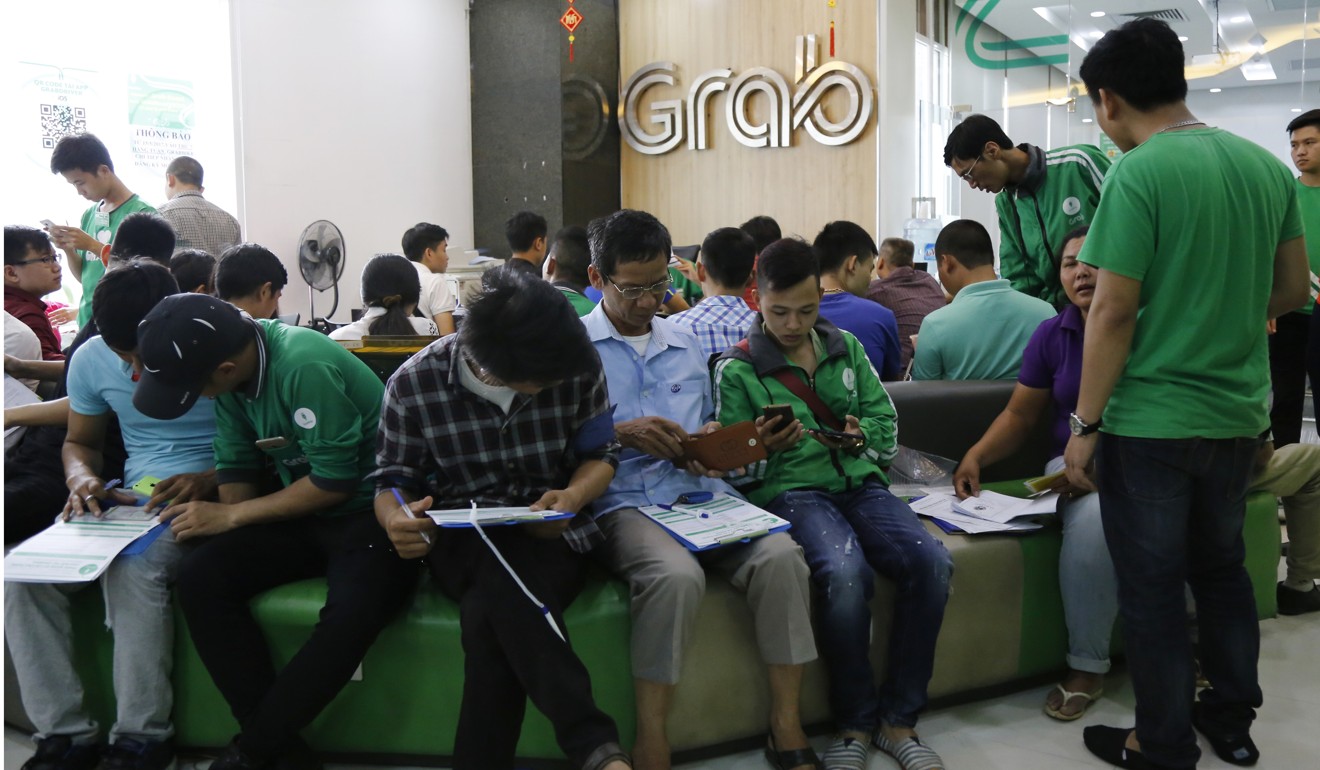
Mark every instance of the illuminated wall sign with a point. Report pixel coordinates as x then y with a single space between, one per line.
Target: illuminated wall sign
800 108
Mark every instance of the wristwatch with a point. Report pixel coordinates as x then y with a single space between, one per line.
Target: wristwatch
1080 427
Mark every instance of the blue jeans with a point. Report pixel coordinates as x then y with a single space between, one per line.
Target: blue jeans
1173 512
848 537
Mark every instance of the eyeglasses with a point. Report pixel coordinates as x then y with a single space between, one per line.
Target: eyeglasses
49 260
966 176
636 292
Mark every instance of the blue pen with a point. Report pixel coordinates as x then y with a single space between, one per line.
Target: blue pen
112 483
408 511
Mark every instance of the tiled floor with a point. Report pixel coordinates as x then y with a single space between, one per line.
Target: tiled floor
1010 733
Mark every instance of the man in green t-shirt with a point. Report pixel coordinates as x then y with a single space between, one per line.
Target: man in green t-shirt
1040 195
1198 242
566 267
85 163
1294 342
293 397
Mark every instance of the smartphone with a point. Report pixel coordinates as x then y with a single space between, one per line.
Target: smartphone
274 442
47 223
848 440
784 411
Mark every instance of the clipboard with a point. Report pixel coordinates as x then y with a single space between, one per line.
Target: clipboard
723 520
726 449
457 518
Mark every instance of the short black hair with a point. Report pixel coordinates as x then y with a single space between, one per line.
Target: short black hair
20 238
764 231
187 170
1141 61
420 237
786 262
245 268
627 236
728 254
521 329
901 251
967 139
144 234
390 281
968 242
1308 118
523 228
80 152
1077 232
124 296
193 268
842 239
572 253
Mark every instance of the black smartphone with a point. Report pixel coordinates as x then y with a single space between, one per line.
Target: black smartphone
848 440
783 411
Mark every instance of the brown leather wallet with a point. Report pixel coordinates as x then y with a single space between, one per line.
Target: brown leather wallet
726 449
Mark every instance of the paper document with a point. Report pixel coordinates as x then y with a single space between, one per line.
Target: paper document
78 550
722 520
1043 483
941 507
460 517
993 506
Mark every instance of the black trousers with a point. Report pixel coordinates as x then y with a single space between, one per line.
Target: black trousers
511 653
367 586
1292 353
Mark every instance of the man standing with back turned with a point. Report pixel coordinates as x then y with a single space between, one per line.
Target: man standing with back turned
1182 401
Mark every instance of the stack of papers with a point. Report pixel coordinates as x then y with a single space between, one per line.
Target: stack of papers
78 550
462 517
989 512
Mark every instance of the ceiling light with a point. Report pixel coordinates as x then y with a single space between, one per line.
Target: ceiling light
1239 19
1182 38
1296 109
1215 90
1097 14
1086 120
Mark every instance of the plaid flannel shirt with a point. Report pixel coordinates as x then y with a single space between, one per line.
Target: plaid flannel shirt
200 224
436 437
719 322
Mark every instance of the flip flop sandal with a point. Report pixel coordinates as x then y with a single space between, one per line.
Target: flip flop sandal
1057 713
910 753
786 760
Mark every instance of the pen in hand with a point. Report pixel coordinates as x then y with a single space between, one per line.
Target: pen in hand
408 512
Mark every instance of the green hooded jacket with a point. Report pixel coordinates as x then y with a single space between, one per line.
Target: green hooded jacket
745 381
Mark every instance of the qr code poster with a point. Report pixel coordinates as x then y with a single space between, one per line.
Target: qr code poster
60 120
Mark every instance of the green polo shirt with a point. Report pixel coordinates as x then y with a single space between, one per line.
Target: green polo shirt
580 303
318 400
103 229
1308 200
1196 217
980 335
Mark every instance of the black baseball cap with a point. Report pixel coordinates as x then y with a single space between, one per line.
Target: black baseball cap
181 342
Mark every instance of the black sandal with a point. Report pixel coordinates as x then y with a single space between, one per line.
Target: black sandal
786 760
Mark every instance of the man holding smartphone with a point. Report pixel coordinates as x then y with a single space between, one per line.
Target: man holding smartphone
834 490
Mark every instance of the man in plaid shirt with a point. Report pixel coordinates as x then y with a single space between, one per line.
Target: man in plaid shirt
511 411
724 268
199 223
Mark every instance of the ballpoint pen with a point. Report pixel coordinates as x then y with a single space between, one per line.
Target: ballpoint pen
408 512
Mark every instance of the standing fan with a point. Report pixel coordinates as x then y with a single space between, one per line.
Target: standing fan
321 262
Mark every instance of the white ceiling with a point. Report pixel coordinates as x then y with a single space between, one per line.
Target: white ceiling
1214 61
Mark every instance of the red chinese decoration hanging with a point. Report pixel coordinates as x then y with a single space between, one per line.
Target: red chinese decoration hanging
832 4
571 19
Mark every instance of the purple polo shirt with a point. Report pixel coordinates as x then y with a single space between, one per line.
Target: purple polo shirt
1053 361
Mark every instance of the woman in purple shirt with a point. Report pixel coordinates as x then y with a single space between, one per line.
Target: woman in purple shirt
1051 374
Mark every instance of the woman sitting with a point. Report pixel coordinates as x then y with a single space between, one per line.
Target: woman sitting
1051 373
390 290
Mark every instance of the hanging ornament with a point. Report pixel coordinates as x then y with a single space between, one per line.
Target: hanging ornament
570 20
832 4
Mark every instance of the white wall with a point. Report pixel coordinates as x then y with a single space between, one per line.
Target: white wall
1259 113
355 111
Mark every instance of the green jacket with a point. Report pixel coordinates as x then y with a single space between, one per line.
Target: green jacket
844 379
1060 192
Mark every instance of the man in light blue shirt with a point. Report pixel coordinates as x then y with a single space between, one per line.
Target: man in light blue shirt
724 267
661 392
137 586
982 333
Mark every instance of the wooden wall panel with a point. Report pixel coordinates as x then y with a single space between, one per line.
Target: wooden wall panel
802 186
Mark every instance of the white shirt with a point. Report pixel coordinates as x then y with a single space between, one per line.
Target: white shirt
21 342
358 329
436 297
499 395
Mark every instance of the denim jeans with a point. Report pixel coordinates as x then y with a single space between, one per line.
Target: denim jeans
39 630
847 537
1086 581
1173 512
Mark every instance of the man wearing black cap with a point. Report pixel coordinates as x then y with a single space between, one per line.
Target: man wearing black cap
291 395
